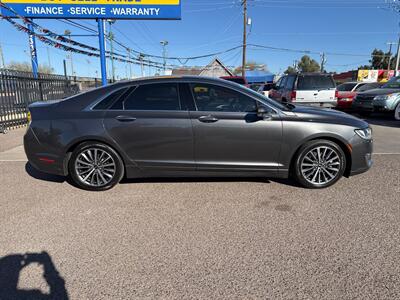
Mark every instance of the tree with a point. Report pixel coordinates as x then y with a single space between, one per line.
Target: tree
251 66
27 67
307 64
380 60
290 70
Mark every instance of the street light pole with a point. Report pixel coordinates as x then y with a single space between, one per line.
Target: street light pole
398 57
111 38
244 3
164 44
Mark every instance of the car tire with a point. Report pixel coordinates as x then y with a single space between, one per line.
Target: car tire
316 171
95 167
397 112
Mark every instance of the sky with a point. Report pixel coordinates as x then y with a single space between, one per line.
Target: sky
347 30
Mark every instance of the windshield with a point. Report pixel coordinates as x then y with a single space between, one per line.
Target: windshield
369 86
393 83
346 87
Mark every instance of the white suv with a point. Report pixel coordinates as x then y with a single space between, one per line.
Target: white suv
306 88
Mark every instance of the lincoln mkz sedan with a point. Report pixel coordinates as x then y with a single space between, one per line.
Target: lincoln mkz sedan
192 127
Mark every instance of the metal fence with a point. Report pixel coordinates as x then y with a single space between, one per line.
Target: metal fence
19 89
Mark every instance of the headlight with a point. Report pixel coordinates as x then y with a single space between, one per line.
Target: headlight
382 97
365 133
386 97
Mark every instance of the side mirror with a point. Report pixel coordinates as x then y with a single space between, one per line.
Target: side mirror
264 114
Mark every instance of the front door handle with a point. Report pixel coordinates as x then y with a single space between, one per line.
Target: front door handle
125 118
208 119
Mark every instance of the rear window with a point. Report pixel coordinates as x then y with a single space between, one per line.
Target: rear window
346 87
315 82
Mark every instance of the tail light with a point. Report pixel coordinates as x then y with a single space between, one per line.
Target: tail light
336 94
293 96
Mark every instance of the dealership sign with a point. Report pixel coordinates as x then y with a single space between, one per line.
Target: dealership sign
95 9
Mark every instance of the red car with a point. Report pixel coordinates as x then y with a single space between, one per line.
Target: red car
347 91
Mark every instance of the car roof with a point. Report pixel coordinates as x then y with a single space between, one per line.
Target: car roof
184 78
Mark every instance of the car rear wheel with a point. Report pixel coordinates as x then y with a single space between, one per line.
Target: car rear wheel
397 112
319 164
95 167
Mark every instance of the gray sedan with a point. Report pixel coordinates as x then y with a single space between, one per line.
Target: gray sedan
192 126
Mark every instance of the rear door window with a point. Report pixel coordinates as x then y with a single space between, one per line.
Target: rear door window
160 96
110 99
315 82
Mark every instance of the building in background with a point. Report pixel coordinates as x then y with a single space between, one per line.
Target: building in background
214 69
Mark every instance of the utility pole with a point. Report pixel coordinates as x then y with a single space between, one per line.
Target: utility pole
48 58
164 45
69 55
398 57
111 38
65 69
141 56
390 44
323 61
130 65
3 64
244 3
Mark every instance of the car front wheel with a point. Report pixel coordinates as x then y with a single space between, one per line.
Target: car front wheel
319 164
95 167
397 112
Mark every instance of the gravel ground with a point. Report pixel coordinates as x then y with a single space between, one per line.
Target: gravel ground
246 239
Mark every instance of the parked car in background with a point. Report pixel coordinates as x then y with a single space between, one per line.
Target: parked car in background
194 127
348 90
238 79
265 88
306 88
383 99
255 86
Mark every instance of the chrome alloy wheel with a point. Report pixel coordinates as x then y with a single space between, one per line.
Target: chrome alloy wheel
321 165
95 167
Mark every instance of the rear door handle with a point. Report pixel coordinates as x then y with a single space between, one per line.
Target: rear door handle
125 118
208 119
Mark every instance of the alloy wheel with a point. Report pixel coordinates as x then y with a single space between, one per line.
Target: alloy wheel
321 165
95 167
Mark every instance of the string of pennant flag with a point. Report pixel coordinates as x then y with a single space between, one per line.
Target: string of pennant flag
57 41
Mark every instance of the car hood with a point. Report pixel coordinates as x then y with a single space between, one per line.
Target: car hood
327 115
377 92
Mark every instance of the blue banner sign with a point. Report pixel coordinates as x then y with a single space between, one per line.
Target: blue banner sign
95 9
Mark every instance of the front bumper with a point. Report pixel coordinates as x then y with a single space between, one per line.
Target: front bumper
361 155
373 106
39 156
363 106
